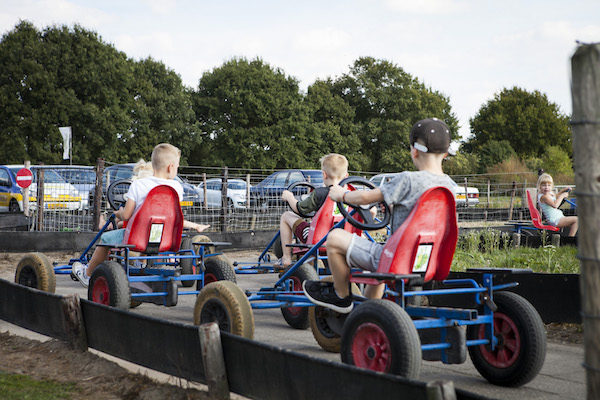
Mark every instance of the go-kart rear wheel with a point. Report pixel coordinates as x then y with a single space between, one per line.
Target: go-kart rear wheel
187 264
109 286
218 269
277 249
226 304
297 317
380 336
326 325
521 348
36 271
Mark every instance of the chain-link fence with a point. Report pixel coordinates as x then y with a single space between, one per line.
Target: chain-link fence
251 202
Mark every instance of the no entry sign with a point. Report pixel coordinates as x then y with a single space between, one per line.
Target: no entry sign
24 177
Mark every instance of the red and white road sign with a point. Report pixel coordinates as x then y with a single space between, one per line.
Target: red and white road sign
24 177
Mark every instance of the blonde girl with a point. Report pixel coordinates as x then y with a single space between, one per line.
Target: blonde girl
549 203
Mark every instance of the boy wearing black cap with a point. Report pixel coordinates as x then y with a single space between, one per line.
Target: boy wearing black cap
429 142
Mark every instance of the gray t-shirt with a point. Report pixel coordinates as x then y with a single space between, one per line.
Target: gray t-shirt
405 189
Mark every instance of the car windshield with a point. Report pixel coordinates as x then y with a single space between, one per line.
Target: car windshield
78 176
315 177
236 185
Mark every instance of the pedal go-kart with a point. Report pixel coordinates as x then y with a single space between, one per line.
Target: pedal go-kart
149 267
503 335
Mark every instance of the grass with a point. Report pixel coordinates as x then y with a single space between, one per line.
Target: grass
22 387
492 249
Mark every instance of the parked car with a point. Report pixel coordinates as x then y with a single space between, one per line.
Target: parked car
58 193
236 192
472 192
268 191
113 173
82 177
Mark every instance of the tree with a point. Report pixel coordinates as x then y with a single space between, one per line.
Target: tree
494 152
461 164
556 162
528 121
387 102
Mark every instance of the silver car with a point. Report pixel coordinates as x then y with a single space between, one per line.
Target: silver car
236 192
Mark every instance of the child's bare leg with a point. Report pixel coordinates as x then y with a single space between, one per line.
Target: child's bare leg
286 223
571 222
375 291
100 254
337 244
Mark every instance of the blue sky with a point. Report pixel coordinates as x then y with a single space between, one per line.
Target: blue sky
468 50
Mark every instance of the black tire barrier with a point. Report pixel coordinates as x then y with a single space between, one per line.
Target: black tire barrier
254 370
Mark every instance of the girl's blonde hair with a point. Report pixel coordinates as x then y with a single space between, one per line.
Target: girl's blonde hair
543 179
142 169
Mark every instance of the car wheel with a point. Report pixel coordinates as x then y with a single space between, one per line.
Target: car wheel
14 207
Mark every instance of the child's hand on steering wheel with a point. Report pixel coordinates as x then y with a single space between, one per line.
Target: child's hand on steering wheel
336 193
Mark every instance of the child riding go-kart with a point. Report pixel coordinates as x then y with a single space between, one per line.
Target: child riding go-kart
503 334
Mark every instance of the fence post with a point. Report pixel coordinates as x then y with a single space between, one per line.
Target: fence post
488 193
440 390
40 199
205 197
466 194
585 89
26 193
98 192
224 205
75 327
512 200
213 361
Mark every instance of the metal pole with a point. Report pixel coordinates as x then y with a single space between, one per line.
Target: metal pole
224 205
40 199
585 91
98 192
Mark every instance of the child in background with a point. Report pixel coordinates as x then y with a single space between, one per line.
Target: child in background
549 203
165 162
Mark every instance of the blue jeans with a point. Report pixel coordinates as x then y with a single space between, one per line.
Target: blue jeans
113 237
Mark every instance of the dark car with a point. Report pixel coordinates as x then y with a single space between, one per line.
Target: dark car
191 194
268 192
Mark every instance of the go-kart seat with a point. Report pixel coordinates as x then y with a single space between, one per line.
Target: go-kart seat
324 220
536 218
157 225
424 243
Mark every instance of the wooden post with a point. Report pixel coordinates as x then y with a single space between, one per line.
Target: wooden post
204 190
74 322
488 194
26 193
466 194
214 363
40 199
585 90
98 192
512 200
440 390
224 205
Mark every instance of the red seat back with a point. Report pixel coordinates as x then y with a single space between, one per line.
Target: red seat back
324 220
536 218
425 242
158 223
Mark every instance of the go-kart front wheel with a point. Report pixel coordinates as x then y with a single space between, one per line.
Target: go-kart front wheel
109 286
521 348
297 317
218 269
380 336
35 271
226 304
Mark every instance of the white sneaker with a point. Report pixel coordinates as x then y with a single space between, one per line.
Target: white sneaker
79 270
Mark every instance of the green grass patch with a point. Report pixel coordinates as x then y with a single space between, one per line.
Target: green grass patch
23 387
492 249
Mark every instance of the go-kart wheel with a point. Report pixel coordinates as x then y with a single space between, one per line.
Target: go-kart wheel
109 286
326 325
366 221
116 192
521 348
218 269
224 302
380 336
35 271
187 264
297 317
298 197
277 249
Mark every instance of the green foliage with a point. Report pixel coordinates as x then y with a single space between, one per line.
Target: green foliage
494 152
387 102
527 120
556 162
511 170
461 164
18 387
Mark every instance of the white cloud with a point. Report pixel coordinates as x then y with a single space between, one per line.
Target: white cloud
319 40
156 44
160 7
426 6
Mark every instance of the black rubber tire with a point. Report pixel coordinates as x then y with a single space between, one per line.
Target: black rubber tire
109 286
35 271
401 347
319 320
13 207
277 249
186 264
525 363
297 317
225 303
218 269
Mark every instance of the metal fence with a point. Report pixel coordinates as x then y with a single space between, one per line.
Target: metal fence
69 205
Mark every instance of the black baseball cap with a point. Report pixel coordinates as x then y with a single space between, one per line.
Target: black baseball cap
433 136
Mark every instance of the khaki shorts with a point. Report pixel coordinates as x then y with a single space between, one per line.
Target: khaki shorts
363 253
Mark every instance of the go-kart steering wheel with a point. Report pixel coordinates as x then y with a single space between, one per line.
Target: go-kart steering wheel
367 223
295 185
115 193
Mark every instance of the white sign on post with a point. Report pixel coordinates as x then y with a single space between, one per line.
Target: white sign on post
65 131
